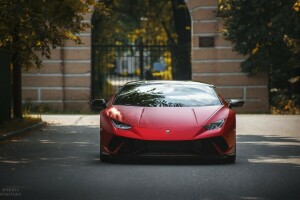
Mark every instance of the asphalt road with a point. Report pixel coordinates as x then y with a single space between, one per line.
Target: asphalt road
61 161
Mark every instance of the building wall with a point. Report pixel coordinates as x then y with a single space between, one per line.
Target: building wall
64 82
219 65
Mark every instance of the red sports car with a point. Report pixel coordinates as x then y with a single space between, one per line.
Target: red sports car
165 118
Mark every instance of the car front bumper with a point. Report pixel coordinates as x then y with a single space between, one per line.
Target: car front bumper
210 147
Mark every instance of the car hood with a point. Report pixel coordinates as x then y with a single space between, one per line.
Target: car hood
166 117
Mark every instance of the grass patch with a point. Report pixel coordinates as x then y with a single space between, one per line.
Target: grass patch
14 124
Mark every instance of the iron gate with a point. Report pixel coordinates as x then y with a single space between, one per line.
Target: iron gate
115 64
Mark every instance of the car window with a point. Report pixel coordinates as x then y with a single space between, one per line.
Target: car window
167 95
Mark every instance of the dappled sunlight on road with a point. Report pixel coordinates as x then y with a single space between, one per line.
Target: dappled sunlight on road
67 154
70 142
73 120
272 143
270 160
269 150
77 143
27 161
46 141
14 161
269 139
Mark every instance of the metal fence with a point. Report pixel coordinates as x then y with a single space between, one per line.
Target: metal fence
115 64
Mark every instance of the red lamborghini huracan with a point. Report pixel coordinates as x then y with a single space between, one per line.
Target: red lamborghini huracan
164 118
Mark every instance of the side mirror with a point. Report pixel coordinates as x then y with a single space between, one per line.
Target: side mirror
236 103
98 104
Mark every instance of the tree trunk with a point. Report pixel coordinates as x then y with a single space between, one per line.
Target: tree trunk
17 90
5 87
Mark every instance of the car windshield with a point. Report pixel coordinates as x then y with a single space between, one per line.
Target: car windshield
167 95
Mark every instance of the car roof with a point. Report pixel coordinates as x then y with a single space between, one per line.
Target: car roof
176 82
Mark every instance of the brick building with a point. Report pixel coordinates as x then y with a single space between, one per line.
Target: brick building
64 82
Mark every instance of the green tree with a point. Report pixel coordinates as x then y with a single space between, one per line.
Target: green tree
31 28
132 19
121 22
268 33
153 20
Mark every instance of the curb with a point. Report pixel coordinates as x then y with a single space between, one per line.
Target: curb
21 131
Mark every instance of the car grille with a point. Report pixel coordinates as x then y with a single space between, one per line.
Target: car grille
128 146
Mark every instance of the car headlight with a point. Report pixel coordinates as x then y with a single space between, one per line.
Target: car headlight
120 125
215 125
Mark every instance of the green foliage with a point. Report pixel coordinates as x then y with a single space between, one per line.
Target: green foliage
268 33
131 19
285 103
154 21
121 22
31 28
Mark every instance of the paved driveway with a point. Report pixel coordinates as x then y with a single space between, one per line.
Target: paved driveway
61 161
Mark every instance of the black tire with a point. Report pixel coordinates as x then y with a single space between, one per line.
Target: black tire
230 159
104 158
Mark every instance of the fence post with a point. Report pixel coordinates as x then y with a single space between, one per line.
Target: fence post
141 48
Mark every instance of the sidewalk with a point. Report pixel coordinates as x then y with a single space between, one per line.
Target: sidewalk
22 131
275 125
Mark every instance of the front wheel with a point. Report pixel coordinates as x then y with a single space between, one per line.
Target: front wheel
230 159
104 158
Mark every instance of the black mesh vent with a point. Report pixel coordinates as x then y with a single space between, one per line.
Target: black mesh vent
196 147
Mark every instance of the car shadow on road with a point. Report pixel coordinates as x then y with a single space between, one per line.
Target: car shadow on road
165 161
251 149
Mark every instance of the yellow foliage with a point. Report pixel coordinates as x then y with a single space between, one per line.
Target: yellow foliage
255 50
118 43
71 36
39 43
289 108
289 41
90 2
296 6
